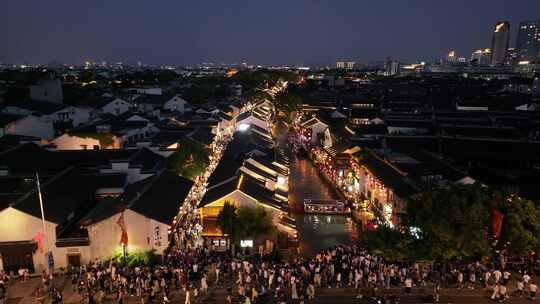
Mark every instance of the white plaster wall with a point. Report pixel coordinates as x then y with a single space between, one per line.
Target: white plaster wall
80 116
175 104
31 126
317 129
119 104
105 235
16 225
68 142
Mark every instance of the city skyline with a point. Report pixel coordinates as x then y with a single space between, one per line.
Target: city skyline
303 32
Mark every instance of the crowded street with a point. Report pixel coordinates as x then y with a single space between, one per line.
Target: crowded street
331 266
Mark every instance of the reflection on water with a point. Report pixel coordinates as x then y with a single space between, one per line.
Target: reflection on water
322 231
317 231
315 219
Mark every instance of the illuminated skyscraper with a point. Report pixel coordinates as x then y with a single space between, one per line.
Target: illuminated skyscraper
528 41
481 57
511 56
451 57
500 42
392 67
347 65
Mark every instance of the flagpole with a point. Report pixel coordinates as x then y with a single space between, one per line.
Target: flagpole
43 218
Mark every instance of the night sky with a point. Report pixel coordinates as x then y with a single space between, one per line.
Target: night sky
256 31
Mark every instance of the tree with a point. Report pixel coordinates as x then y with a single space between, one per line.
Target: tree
190 160
521 224
453 222
227 221
244 222
288 103
392 244
457 223
254 222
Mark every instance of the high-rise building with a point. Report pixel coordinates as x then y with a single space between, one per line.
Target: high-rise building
511 56
536 86
481 57
500 42
451 57
392 67
346 65
528 41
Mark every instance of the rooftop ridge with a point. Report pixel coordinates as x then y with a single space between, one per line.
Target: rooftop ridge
34 190
145 189
400 172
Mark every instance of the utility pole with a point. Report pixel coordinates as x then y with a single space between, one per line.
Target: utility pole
48 254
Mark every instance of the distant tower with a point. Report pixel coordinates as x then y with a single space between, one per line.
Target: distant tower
528 41
481 57
391 67
451 57
500 42
511 56
536 86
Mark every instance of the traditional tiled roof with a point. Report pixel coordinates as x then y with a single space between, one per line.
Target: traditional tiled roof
157 197
259 171
224 116
246 185
389 176
268 161
153 99
214 193
167 138
29 158
40 107
147 160
227 167
105 101
8 118
160 198
67 194
203 135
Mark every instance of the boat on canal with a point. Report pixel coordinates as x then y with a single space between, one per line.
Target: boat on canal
317 206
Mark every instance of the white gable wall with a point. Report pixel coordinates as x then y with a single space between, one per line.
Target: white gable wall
176 103
116 107
16 226
30 126
73 142
144 234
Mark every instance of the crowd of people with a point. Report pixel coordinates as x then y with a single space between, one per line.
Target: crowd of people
256 279
372 276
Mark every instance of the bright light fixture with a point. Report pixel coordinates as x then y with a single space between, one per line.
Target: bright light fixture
243 127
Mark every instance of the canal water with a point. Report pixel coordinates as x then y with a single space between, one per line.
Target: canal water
317 231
